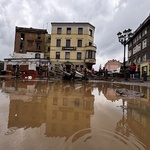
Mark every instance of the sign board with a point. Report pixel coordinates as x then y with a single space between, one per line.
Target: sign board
68 48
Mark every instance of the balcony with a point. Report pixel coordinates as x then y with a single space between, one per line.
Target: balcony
90 47
92 61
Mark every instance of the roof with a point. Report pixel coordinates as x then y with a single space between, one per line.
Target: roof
142 25
31 30
72 24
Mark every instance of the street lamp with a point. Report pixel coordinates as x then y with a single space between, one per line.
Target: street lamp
123 39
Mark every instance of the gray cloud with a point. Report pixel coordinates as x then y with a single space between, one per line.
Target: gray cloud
108 16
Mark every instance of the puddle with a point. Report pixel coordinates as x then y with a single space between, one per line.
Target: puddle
41 115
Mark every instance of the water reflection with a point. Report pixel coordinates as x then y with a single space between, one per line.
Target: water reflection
65 108
135 120
83 114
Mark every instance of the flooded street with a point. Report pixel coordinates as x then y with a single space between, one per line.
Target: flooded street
42 115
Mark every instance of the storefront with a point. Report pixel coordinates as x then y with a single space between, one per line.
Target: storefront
145 67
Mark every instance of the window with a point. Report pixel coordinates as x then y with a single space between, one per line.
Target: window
130 52
59 30
79 55
54 114
21 47
80 30
77 102
144 32
38 46
134 50
144 43
65 101
67 55
37 55
87 105
22 37
139 60
68 41
139 36
130 44
68 30
79 43
48 39
139 47
134 40
90 54
57 55
48 49
90 32
58 42
38 36
90 43
144 57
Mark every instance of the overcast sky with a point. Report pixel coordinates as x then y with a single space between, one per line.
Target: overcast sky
108 16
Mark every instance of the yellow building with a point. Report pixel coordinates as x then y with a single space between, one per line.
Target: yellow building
72 45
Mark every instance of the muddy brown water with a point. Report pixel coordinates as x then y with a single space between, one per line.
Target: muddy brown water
67 115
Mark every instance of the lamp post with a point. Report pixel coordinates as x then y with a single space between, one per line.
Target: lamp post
123 38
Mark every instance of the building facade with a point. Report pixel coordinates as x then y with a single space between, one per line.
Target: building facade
72 45
29 40
139 47
29 50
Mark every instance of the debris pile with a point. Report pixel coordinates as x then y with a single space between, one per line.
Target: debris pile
129 93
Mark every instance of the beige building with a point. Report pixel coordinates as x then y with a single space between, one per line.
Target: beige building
72 45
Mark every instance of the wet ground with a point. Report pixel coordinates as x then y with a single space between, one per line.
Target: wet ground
68 115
